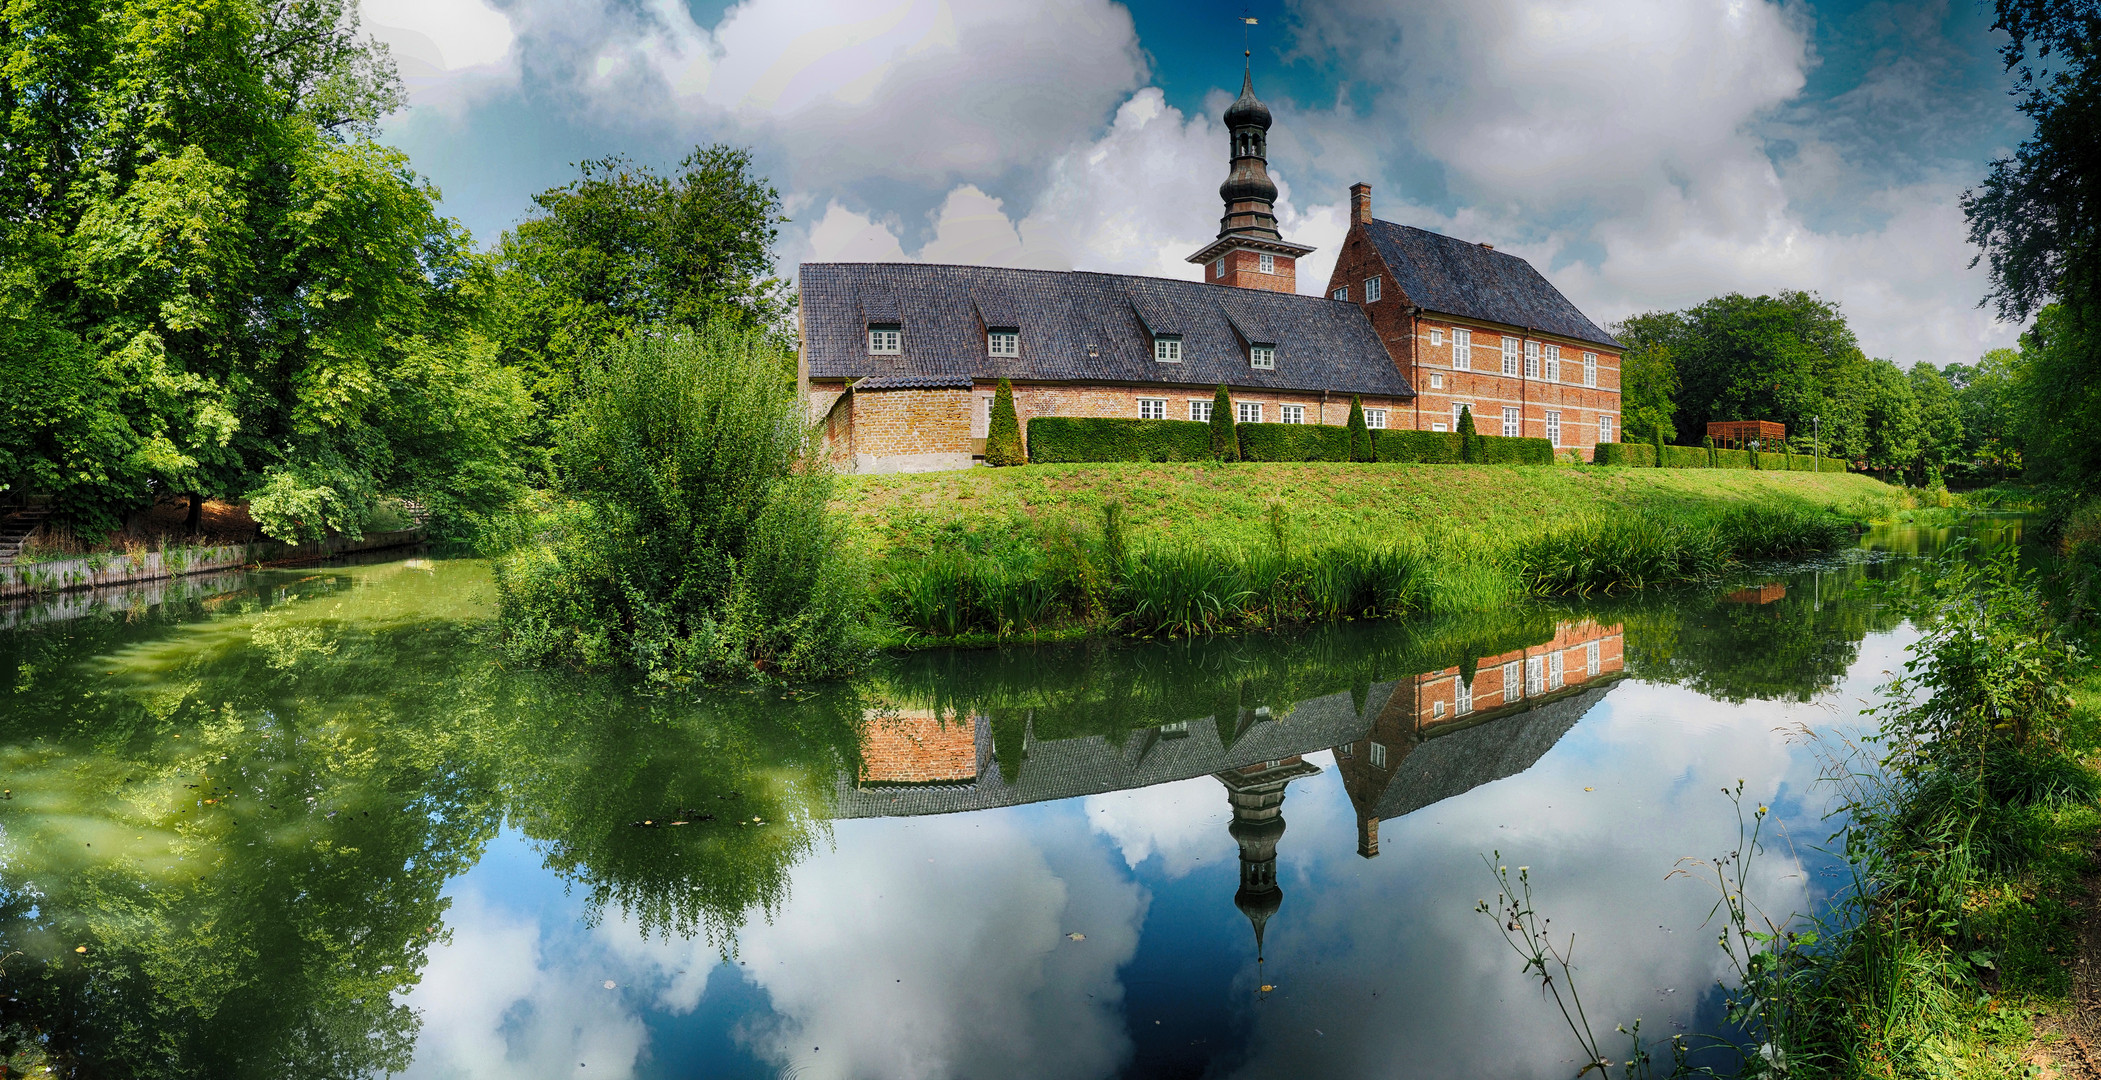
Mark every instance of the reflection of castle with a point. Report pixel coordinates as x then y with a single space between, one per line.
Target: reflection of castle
1408 739
1257 795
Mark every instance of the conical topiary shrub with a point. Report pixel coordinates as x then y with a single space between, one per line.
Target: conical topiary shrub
1469 443
1360 436
1003 436
1656 440
1225 442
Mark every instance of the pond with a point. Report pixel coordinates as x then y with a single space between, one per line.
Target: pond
303 823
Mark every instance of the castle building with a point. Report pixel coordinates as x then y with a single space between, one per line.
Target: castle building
900 360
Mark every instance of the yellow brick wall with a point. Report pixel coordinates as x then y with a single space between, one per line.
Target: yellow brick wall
888 422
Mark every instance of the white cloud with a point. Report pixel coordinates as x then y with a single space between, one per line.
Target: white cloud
1184 823
445 35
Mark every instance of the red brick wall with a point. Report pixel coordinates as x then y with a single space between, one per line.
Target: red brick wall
920 749
1243 269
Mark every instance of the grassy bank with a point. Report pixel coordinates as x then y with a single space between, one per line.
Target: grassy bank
1170 549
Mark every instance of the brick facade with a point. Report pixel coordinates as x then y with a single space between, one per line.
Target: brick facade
918 749
1242 268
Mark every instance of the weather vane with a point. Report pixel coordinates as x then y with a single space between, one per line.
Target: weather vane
1247 54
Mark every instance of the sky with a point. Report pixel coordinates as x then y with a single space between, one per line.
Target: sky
1644 154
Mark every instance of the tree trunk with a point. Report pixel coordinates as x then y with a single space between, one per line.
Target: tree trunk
195 522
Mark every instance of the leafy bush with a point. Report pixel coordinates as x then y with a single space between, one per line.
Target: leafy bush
1428 447
700 539
1225 446
1511 450
1100 438
1003 435
1360 436
1293 442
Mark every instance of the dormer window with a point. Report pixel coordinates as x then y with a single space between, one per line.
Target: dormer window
1262 356
1266 263
1004 341
1340 294
1371 290
1167 348
886 339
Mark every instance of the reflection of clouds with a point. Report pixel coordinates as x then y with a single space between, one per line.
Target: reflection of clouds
1184 823
493 1004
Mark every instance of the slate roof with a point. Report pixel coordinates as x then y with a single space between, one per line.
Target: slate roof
944 311
1443 274
1454 763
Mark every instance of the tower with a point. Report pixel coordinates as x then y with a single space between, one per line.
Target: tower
1249 252
1257 797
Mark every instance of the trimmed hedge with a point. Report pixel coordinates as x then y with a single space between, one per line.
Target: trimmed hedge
1510 450
1643 456
1293 442
1426 447
1101 438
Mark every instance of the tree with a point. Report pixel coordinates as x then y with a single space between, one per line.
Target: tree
1360 436
1225 442
1649 375
2057 397
1940 425
1783 358
1892 419
1469 442
1993 427
1003 435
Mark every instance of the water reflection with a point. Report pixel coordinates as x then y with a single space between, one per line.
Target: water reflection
286 818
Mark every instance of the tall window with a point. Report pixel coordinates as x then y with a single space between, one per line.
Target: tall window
1152 408
1262 356
1003 342
1590 369
981 419
1267 263
1553 362
1554 428
1531 359
1375 418
1462 696
1460 407
1200 411
1590 658
1554 670
885 338
1378 755
1293 414
1605 428
1462 349
1371 290
1340 294
1247 412
1513 681
1510 422
1535 680
1509 356
1167 348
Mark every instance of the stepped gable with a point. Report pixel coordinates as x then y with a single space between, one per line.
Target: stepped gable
1445 765
1078 326
1443 274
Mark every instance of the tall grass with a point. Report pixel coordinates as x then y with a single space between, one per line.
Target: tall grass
1616 554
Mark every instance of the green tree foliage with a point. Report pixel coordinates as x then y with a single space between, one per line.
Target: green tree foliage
1225 443
1649 375
1892 418
622 247
1941 441
1469 441
1992 430
2057 397
194 217
1360 436
1003 435
1784 358
701 539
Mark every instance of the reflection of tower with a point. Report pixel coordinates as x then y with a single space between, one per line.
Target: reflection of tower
1256 793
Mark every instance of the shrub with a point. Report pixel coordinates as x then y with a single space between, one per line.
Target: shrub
1293 442
1003 435
1511 450
1360 436
1624 455
1686 457
1469 440
1225 445
1428 447
1656 440
1095 438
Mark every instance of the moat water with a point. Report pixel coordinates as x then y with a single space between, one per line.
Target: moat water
303 823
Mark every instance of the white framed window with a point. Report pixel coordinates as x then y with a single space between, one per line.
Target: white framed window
1218 267
1003 342
1457 408
1531 359
886 339
1247 412
1200 411
1552 356
1437 709
1554 428
1375 418
1262 356
1554 670
1378 755
1167 348
1513 674
1510 422
1462 696
1438 425
1152 408
1293 414
1590 659
1340 294
1436 381
1346 749
1590 369
1266 263
1462 349
1605 428
1371 290
1436 336
1509 356
1535 678
981 417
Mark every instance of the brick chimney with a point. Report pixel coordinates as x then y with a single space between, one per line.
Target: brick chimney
1360 203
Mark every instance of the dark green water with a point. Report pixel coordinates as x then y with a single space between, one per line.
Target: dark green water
303 824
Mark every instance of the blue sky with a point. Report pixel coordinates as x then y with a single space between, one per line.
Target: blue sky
1646 154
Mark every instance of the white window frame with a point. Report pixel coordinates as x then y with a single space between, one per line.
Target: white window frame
1200 410
1262 357
1218 267
1513 422
1436 336
1513 681
1531 359
1375 419
1003 343
1378 755
886 339
981 419
1551 354
1604 427
1266 263
1459 407
1247 412
1340 294
1438 425
1553 428
1462 349
1291 414
1510 351
1590 369
1556 671
1437 710
1462 697
1167 348
1590 658
1371 290
1436 381
1535 677
1152 408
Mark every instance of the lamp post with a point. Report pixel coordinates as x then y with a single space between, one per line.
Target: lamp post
1816 440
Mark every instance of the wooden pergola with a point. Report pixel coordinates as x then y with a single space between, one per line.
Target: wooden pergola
1738 434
